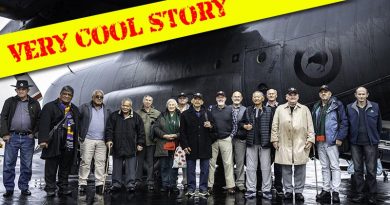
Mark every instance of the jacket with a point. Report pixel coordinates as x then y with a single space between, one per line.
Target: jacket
292 131
240 133
262 126
51 115
336 122
125 134
148 119
194 135
373 122
8 111
86 116
161 129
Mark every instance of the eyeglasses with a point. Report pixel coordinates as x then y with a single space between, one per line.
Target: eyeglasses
99 97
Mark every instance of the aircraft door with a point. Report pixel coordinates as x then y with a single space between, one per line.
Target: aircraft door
261 70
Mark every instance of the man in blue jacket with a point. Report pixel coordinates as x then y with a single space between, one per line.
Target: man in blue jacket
331 127
365 126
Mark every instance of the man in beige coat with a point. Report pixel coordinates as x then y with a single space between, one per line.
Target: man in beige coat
292 136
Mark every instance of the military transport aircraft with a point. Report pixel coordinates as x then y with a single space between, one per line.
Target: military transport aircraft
344 45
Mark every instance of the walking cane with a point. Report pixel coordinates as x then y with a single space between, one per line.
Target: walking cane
315 168
106 171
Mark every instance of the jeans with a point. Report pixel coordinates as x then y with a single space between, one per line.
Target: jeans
25 144
129 164
204 174
365 154
329 158
168 174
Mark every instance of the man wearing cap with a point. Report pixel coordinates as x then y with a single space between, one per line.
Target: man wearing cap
182 105
272 95
197 130
19 123
292 136
257 121
239 140
365 126
224 121
331 127
58 138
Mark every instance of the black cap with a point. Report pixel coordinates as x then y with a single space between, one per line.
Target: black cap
292 90
22 84
220 93
324 87
198 95
181 95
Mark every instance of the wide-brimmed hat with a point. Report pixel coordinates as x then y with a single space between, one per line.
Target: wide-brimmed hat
22 84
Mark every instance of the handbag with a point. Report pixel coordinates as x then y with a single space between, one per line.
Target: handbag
170 146
179 158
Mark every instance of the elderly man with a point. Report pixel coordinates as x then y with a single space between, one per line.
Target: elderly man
146 156
197 130
331 127
239 140
365 125
19 123
125 134
58 136
292 136
224 121
93 117
257 122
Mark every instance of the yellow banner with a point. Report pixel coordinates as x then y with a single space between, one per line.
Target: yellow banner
79 39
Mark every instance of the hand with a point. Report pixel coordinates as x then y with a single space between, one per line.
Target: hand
207 124
6 138
109 144
248 127
308 145
339 142
31 136
43 145
276 145
139 148
187 150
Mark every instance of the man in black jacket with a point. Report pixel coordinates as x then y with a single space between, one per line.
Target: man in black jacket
93 117
19 123
58 136
196 132
125 134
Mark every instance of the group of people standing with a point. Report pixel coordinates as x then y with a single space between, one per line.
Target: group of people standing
261 134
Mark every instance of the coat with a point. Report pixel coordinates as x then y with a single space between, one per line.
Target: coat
148 119
125 134
373 122
194 135
161 129
86 116
51 115
292 131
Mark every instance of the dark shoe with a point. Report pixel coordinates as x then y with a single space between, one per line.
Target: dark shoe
163 189
26 192
64 192
279 192
99 189
210 190
231 191
175 190
82 188
335 197
190 193
371 200
203 193
358 199
50 193
8 194
241 188
131 189
288 196
323 194
115 189
150 187
299 197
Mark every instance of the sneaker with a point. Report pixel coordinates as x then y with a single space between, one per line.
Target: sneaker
203 193
190 193
267 195
335 197
250 194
